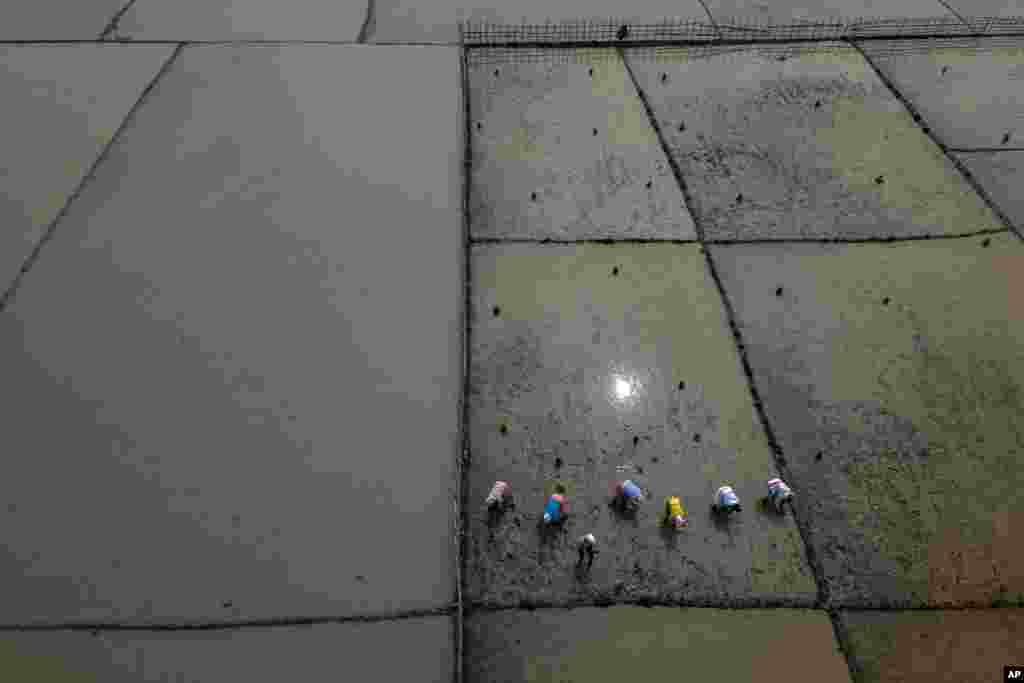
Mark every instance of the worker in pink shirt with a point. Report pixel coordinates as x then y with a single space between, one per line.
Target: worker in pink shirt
498 499
500 495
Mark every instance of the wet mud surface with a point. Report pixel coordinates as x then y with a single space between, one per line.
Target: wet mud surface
961 646
660 643
892 378
1001 175
970 92
587 377
800 143
891 375
563 149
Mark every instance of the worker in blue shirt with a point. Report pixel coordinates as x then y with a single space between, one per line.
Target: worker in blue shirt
628 495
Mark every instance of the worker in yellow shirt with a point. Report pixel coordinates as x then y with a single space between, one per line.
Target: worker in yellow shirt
675 513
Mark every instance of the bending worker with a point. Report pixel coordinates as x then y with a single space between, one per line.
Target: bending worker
628 495
555 511
675 513
500 495
726 501
587 548
779 494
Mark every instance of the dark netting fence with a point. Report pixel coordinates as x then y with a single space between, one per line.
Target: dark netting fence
555 54
612 32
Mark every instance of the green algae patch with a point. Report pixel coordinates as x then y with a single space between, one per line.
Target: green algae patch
778 561
34 663
879 152
962 388
893 375
896 512
589 644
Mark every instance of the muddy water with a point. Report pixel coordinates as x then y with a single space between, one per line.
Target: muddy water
200 412
594 364
259 655
562 148
63 105
808 143
971 93
999 173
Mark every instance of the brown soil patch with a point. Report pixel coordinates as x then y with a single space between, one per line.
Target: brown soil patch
971 570
963 646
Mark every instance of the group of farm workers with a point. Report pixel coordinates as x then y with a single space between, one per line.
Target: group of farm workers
628 496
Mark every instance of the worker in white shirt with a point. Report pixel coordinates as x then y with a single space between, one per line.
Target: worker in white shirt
726 501
587 547
779 494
